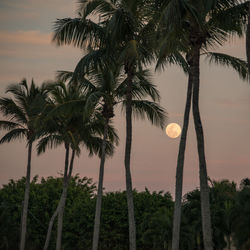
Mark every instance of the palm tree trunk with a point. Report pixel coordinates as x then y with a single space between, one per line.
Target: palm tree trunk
131 216
198 241
46 245
248 38
179 170
204 189
228 242
99 192
61 206
26 200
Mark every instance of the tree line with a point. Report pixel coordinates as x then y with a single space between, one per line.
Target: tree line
76 110
230 213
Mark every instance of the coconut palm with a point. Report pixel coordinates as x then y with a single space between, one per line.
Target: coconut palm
196 28
66 124
22 111
248 37
107 88
122 36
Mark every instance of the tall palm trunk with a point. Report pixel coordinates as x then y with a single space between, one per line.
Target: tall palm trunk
179 170
248 38
131 216
46 245
100 188
204 189
26 200
63 201
228 237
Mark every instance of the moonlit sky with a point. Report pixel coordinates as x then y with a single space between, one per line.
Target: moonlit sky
26 51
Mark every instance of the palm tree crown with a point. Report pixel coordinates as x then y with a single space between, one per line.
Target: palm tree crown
22 111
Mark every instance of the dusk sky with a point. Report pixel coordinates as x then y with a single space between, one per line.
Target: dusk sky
26 51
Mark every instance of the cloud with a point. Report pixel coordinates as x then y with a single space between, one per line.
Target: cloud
25 6
33 14
32 37
31 54
31 44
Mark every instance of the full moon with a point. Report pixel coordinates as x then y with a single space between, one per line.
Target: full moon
173 130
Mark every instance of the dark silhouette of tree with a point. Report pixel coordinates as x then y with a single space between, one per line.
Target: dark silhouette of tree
22 111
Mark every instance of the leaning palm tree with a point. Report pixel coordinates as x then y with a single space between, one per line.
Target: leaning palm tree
196 28
65 123
22 111
122 36
106 89
248 37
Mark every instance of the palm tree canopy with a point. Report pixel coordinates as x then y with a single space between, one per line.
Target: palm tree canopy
65 122
113 31
22 110
208 24
108 87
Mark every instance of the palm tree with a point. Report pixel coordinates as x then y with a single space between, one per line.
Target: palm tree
106 89
22 111
248 37
197 27
100 90
122 36
65 124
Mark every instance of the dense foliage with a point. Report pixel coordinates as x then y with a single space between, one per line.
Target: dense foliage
153 210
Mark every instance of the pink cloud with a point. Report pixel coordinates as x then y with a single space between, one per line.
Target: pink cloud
33 37
36 5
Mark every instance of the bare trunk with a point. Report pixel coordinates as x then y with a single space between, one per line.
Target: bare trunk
179 171
204 189
62 205
248 39
228 242
26 200
198 240
99 192
52 219
131 216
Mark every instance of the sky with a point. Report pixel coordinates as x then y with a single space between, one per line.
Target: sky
26 51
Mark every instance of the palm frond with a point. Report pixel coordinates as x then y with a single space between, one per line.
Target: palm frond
113 137
172 59
171 13
64 76
121 23
172 45
87 85
10 109
231 18
153 111
143 84
8 125
94 145
65 109
49 141
109 149
20 93
78 32
94 60
239 65
94 7
14 134
92 101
